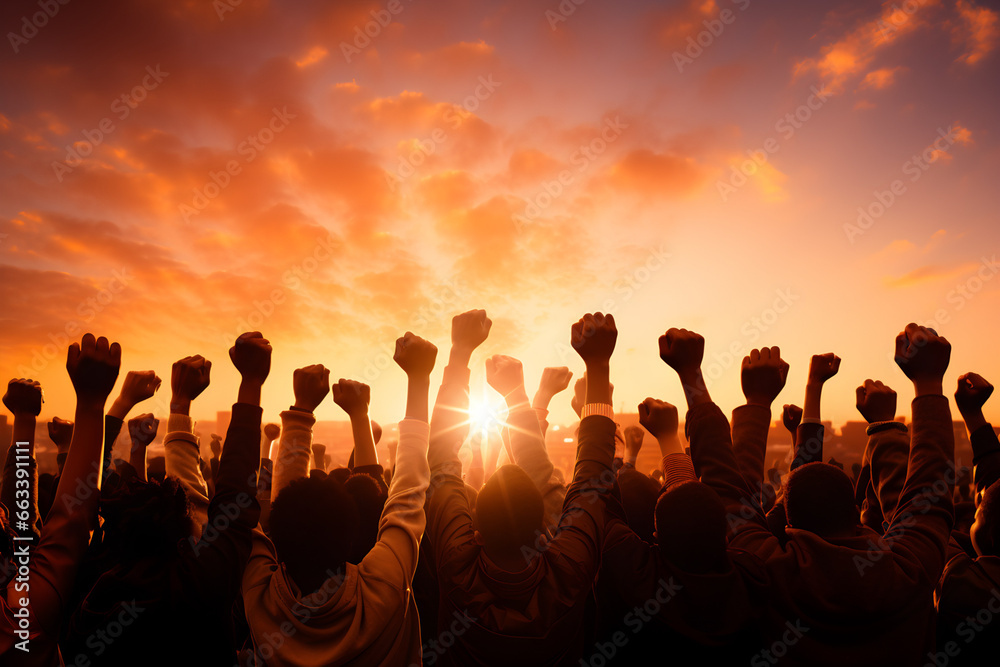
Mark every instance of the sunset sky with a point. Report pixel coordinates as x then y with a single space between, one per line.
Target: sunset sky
174 173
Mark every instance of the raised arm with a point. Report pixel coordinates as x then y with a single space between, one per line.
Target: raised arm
527 445
403 520
60 433
93 368
142 431
661 420
20 471
310 386
920 528
136 388
353 398
554 380
883 467
188 378
970 397
222 552
810 434
762 377
450 422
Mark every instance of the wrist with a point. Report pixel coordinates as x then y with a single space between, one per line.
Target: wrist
927 387
541 400
120 408
305 406
460 355
91 403
760 401
180 405
249 391
518 396
974 419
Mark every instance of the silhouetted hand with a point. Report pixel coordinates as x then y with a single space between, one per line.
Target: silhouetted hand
272 431
60 433
251 354
822 367
791 417
216 445
353 397
923 356
682 350
763 376
310 385
594 337
633 442
93 366
504 374
554 380
24 397
415 355
470 329
142 429
659 418
972 393
188 378
876 402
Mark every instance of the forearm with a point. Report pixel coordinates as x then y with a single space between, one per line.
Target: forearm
294 449
137 459
814 395
750 427
112 427
417 391
364 442
598 382
985 457
695 391
450 422
180 449
809 439
249 392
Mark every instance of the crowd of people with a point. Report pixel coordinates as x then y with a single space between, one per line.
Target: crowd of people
424 560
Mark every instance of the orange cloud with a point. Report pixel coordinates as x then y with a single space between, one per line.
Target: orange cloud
978 31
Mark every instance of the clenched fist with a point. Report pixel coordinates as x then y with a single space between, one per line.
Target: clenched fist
60 432
470 329
659 418
791 417
822 367
415 355
24 397
923 356
142 429
682 350
594 337
353 397
93 366
876 402
189 377
310 385
251 354
504 374
763 376
972 393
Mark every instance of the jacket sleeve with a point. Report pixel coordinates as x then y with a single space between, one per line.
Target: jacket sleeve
221 554
884 468
528 448
183 461
294 449
920 529
750 426
985 458
808 444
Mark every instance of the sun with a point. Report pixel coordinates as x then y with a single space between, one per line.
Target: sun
484 415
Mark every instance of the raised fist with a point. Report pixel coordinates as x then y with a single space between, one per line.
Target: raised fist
251 354
763 375
271 432
594 337
24 397
876 402
633 441
504 374
791 417
972 393
189 377
922 354
142 429
216 444
353 397
822 367
93 366
659 418
415 355
470 329
60 432
139 385
554 380
311 385
682 350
